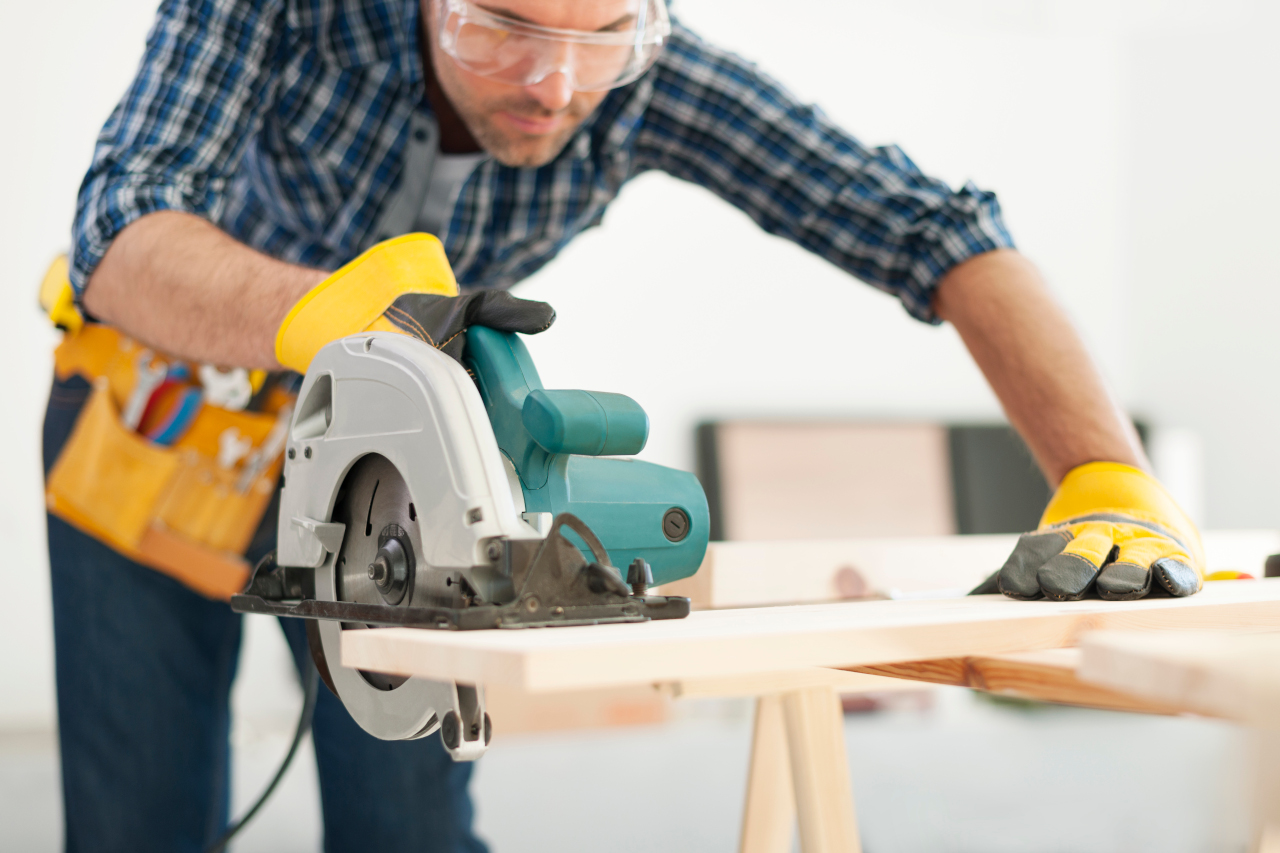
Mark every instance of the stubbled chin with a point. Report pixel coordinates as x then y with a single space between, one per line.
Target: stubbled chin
525 151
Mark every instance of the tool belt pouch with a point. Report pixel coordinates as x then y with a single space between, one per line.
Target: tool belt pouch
173 508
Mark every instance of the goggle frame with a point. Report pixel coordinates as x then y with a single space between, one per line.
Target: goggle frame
646 41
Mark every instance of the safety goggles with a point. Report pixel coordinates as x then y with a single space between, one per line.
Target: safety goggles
524 54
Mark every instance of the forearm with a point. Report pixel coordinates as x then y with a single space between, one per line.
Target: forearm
1036 364
177 283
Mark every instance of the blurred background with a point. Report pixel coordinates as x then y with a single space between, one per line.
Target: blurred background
1133 146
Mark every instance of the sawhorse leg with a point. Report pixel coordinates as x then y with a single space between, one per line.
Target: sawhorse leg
770 814
799 770
1265 749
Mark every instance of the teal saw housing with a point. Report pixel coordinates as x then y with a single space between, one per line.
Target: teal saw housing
566 446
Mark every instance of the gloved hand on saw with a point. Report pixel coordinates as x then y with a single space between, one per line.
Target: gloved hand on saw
401 285
1110 525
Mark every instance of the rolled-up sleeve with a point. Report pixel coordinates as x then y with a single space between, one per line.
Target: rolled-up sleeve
718 121
178 134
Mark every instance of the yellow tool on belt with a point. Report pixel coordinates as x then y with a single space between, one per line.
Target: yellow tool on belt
171 473
58 299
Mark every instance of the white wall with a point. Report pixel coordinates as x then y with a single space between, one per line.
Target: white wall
63 66
717 319
1131 142
1203 178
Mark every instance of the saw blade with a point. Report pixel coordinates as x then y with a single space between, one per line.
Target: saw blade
379 562
375 505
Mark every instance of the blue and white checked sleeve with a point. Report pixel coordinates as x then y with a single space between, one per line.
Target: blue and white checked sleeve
176 137
718 121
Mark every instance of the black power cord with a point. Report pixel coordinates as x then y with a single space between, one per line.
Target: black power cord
310 680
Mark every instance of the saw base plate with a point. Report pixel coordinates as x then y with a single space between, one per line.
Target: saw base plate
478 617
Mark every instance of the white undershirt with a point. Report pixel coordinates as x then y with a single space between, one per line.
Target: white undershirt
448 174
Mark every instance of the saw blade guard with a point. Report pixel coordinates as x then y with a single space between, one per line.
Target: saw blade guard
378 563
391 395
391 468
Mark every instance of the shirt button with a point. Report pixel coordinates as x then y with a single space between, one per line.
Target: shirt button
420 135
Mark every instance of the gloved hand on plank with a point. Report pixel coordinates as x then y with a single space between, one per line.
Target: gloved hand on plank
1111 525
401 285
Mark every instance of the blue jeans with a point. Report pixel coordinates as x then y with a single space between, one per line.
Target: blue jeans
144 673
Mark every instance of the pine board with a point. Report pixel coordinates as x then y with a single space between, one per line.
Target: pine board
722 643
1048 675
1233 674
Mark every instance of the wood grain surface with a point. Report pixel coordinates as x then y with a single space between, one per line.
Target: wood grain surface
723 643
769 814
1234 674
1043 676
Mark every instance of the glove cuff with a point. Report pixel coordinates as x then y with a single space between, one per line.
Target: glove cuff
351 299
1115 488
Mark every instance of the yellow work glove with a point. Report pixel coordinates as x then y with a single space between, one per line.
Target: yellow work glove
401 285
1111 524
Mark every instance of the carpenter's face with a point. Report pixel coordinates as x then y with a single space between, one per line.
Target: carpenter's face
524 125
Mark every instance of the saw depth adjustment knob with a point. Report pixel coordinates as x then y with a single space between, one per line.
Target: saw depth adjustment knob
639 576
393 563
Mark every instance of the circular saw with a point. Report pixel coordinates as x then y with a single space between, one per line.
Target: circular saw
421 492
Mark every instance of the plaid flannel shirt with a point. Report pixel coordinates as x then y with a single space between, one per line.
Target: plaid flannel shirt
300 127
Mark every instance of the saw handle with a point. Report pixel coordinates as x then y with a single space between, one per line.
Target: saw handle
640 509
589 423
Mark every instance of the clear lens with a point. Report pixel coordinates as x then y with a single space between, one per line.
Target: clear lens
522 54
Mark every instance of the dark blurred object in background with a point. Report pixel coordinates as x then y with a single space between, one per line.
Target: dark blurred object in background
842 479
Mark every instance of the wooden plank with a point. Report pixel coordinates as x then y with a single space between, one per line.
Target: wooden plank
1264 754
751 574
820 771
769 817
772 683
1043 676
1234 674
517 712
723 643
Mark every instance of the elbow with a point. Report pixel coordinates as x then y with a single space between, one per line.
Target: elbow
101 295
974 283
127 265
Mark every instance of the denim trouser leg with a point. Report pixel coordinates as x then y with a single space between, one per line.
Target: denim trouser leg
382 795
144 673
144 670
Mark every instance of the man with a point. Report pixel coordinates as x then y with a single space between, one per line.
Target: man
265 143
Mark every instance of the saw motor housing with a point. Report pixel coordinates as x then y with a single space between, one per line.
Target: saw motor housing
419 491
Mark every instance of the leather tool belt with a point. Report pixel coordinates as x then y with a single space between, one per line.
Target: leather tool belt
184 495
